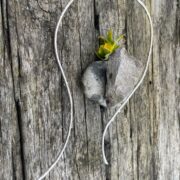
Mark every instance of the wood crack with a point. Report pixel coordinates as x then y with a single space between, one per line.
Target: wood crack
20 127
13 167
96 18
48 12
17 104
78 173
102 110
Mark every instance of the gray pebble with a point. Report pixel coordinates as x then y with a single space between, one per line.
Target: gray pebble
94 80
109 82
123 73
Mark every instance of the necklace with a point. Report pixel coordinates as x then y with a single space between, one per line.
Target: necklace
124 102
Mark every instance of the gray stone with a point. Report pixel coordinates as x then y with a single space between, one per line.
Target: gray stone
93 80
109 82
123 73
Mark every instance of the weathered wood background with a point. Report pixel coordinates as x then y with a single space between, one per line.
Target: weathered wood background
143 143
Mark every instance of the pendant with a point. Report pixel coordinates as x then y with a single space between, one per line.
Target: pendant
109 82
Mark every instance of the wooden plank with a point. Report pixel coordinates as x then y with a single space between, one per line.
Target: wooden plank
143 142
11 166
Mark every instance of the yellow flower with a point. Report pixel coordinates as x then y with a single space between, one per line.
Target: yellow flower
108 45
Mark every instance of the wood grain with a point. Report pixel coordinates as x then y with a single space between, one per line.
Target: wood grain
144 141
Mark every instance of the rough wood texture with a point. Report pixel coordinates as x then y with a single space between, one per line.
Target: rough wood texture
144 141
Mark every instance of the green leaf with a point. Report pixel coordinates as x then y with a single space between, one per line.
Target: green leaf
107 56
110 36
122 36
116 47
108 45
102 40
98 56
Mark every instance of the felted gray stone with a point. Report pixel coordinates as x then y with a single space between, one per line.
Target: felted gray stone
109 82
94 80
123 73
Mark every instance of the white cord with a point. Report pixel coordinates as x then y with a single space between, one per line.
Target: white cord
69 92
136 87
68 89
